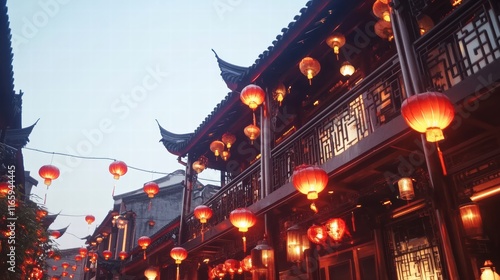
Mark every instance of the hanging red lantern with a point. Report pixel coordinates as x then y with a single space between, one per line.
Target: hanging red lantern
107 254
64 265
228 139
217 147
252 132
4 189
202 213
48 173
151 189
310 180
64 274
246 263
117 169
89 219
144 242
335 228
83 252
242 218
470 215
252 96
78 258
178 254
317 234
232 266
428 113
74 267
309 67
54 268
55 233
123 255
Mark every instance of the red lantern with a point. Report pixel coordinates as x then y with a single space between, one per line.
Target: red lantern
4 189
428 112
64 274
335 228
317 234
56 257
83 252
89 219
217 147
118 168
178 254
246 263
252 96
309 180
309 67
54 268
151 189
107 254
202 213
78 258
242 218
55 233
144 242
74 267
48 173
232 266
123 255
65 265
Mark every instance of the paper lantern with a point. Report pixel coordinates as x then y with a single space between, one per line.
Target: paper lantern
405 186
203 213
74 267
296 242
309 180
82 252
232 266
144 242
252 96
151 189
488 271
217 147
336 41
117 169
246 263
78 258
335 228
242 218
309 67
64 274
425 24
151 273
317 234
470 215
54 268
225 155
347 69
428 113
55 233
4 189
107 254
89 219
178 254
48 173
123 255
279 93
64 265
252 132
200 165
228 139
383 29
382 11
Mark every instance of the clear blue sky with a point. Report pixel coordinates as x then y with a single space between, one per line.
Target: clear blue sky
98 73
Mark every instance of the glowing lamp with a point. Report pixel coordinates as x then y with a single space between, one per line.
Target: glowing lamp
252 132
428 113
64 265
279 93
107 254
217 147
151 189
309 67
232 266
225 155
55 233
74 267
317 234
296 243
347 69
48 173
64 274
151 273
246 263
455 3
242 218
488 271
405 186
263 260
252 96
4 189
336 41
203 213
381 10
425 24
471 220
123 255
335 228
383 29
309 180
83 252
78 258
89 219
200 165
178 254
54 268
117 169
144 242
228 139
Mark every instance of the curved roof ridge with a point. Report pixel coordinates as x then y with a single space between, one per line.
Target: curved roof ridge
230 73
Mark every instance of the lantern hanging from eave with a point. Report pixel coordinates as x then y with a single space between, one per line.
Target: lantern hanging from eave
425 23
65 265
151 189
200 165
83 252
123 255
54 268
335 228
382 10
202 213
472 222
317 234
242 218
144 242
48 173
64 274
383 29
217 147
74 267
246 263
429 113
336 41
252 96
78 258
232 267
55 233
178 254
309 67
310 180
228 139
107 254
225 155
280 92
347 69
151 273
406 191
89 219
117 169
252 132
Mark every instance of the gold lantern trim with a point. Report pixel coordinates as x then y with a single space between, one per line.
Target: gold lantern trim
309 67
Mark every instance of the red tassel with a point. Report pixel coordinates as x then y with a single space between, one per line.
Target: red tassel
244 244
441 160
144 254
353 221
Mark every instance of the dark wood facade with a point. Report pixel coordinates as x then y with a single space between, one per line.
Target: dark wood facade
352 127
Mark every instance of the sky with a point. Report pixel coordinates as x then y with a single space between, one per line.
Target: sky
98 74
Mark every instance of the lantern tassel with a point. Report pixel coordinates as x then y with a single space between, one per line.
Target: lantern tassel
202 233
244 244
314 208
144 254
353 221
441 160
178 275
254 119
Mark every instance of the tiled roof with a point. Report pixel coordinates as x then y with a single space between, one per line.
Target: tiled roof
6 72
18 138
